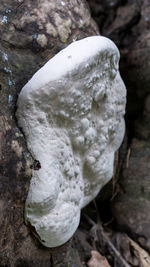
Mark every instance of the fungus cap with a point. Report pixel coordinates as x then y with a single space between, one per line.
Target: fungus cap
71 112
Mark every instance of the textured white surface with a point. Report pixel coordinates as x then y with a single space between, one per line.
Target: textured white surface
71 113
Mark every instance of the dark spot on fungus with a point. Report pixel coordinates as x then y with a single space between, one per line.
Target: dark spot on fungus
36 166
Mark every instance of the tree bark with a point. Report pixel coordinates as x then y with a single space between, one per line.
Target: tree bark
31 33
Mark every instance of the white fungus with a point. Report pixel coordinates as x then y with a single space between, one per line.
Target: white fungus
71 113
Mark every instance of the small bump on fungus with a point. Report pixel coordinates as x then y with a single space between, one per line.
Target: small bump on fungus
71 112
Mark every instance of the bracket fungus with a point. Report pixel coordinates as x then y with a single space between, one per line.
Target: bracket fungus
71 113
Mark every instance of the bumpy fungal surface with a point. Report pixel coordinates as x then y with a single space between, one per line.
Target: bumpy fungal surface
71 113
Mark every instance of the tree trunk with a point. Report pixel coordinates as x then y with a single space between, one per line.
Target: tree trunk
31 33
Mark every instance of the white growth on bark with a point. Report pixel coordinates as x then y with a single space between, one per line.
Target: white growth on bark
71 113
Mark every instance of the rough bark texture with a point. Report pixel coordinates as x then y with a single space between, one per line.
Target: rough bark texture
31 33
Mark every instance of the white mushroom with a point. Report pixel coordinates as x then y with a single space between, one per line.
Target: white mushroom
71 113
